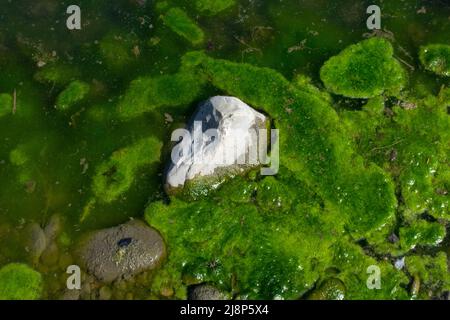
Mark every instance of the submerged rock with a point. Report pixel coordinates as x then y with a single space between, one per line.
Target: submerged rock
36 243
205 292
122 251
222 140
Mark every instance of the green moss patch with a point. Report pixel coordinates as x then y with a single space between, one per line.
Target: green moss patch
180 23
364 70
75 92
421 233
6 104
213 7
436 58
19 282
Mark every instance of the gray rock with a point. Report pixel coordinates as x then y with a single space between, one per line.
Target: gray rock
122 251
205 292
222 139
53 228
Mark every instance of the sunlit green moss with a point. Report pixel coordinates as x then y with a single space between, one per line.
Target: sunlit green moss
436 58
6 104
356 268
177 20
229 242
19 282
317 150
431 275
212 7
75 92
116 175
364 70
421 233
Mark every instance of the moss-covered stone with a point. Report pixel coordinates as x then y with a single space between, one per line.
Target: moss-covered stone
6 104
180 23
421 233
364 70
330 289
20 282
116 175
75 92
321 157
213 7
436 58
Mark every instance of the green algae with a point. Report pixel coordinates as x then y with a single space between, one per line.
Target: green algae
436 58
116 175
6 104
330 289
177 20
213 7
57 74
421 233
75 92
19 282
116 49
430 274
149 93
364 70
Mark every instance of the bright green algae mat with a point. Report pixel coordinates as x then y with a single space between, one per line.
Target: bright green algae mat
86 119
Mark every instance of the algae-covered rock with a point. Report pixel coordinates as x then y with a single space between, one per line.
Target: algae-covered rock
224 140
19 282
364 70
421 233
75 92
436 58
116 50
122 251
58 74
180 23
213 7
330 289
205 292
6 104
116 175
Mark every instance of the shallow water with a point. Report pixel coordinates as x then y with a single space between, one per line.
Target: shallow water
290 36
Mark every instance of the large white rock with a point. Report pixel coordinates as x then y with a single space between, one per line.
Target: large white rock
223 138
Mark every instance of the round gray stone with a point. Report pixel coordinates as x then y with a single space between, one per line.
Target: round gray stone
122 251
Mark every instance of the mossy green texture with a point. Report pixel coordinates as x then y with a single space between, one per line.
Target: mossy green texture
364 70
430 274
116 175
313 143
75 92
20 282
412 145
148 93
117 50
436 58
180 23
330 289
355 269
6 104
213 7
421 233
230 242
57 74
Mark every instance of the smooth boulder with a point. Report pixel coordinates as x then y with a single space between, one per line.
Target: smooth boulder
224 139
123 251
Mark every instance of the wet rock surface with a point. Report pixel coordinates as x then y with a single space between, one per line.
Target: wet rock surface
123 251
206 154
205 292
